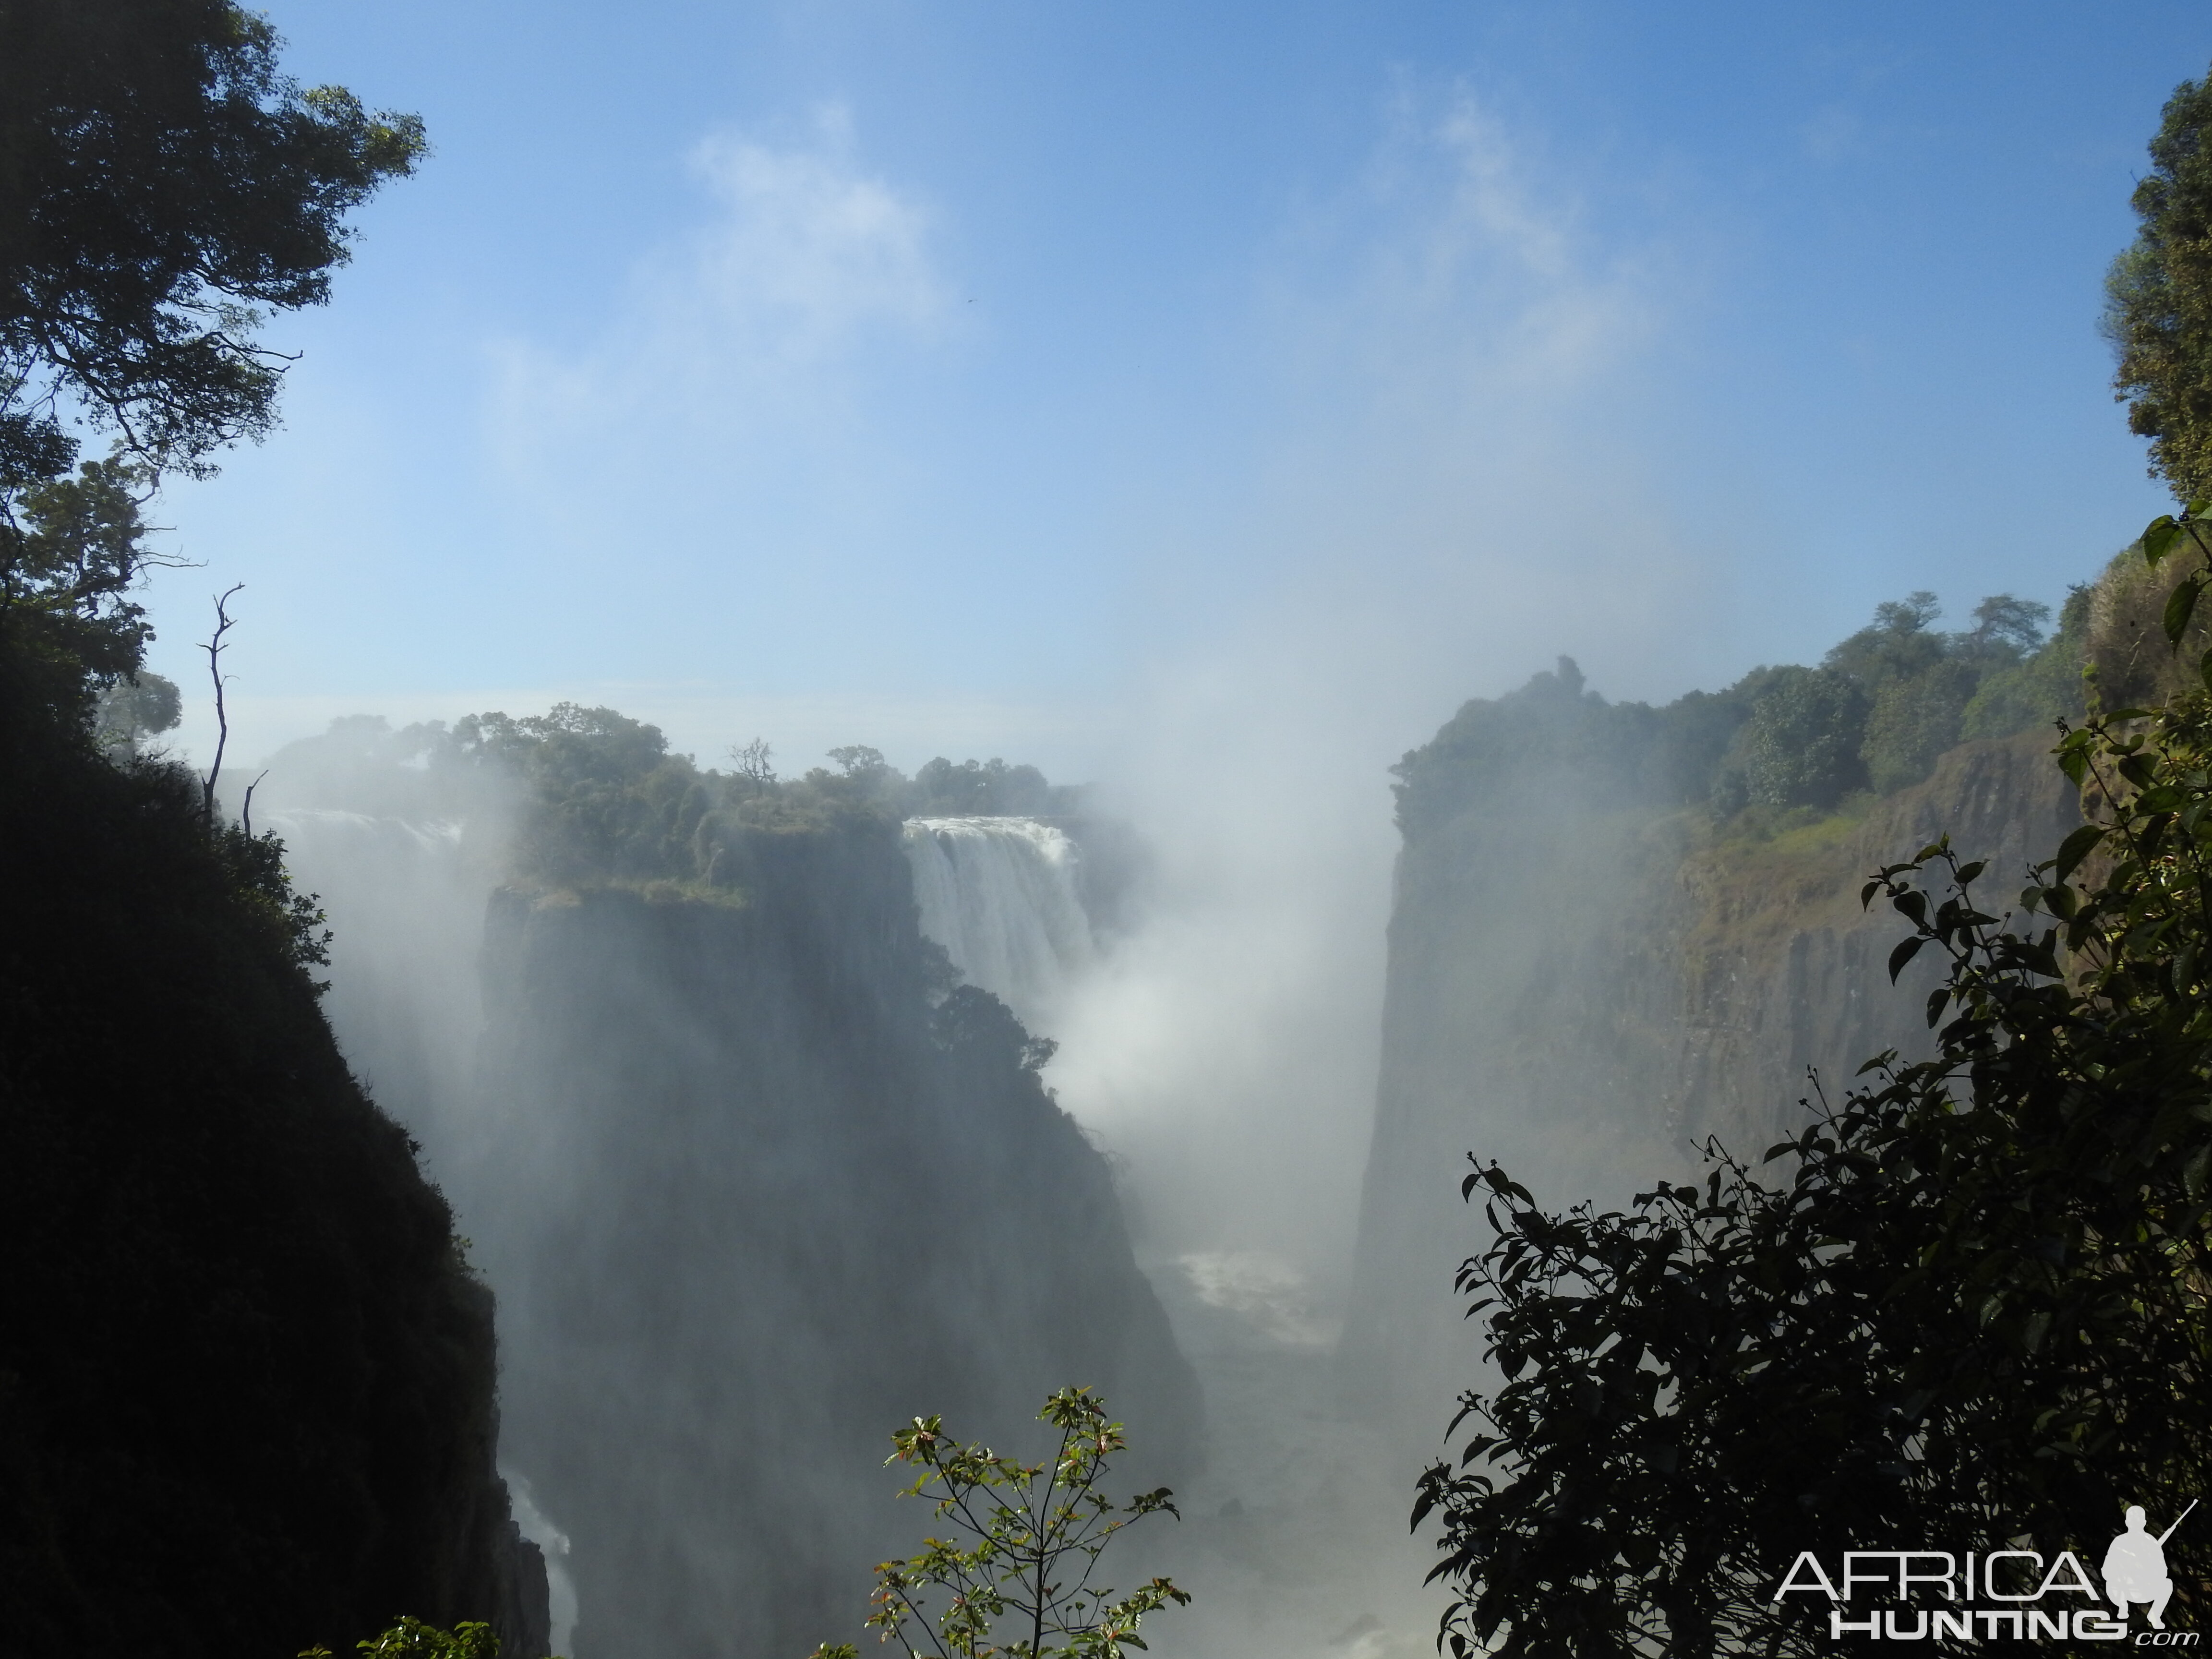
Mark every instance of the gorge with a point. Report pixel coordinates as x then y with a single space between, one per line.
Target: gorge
754 1179
503 1172
735 1088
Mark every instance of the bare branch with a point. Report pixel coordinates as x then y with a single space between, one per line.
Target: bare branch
214 648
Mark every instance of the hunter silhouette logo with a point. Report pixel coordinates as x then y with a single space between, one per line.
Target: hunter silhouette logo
2004 1594
2134 1566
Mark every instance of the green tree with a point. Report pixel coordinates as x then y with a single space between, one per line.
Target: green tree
2043 685
604 797
1919 681
1914 719
1898 643
71 550
1801 746
131 711
2158 310
164 187
1033 1533
1974 1311
2005 628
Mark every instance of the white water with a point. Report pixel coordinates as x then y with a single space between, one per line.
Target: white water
1002 895
1293 1535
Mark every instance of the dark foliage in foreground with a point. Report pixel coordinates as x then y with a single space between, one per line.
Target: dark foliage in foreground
245 1378
163 185
1975 1310
245 1381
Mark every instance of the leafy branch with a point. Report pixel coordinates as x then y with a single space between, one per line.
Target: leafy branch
1974 1301
1026 1553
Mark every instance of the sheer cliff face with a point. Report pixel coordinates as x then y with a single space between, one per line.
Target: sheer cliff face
1581 990
1773 969
750 1202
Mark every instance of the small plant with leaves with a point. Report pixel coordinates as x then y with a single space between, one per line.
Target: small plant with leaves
1017 1584
410 1638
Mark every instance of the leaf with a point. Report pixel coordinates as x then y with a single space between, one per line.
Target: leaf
2180 605
2158 539
1904 952
2076 846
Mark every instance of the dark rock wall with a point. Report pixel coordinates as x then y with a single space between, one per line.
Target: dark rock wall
751 1204
245 1376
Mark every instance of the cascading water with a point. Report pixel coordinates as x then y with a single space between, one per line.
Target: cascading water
1003 896
1294 1519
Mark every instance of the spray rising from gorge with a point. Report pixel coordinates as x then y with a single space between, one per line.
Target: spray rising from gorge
747 1090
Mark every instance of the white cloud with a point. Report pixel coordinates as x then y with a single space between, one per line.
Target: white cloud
810 250
737 344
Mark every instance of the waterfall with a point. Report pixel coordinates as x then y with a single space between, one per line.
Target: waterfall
1002 897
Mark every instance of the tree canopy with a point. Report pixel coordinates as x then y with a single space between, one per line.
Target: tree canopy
1876 712
2158 312
164 186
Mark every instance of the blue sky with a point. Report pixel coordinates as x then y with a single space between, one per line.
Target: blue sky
988 376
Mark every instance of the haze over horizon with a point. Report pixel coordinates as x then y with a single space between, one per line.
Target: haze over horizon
963 380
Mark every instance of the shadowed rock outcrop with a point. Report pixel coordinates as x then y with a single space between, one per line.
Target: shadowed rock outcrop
759 1196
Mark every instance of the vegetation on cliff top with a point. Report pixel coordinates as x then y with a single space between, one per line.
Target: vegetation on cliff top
1783 744
601 800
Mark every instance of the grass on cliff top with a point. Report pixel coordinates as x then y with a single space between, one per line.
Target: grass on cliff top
1795 831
